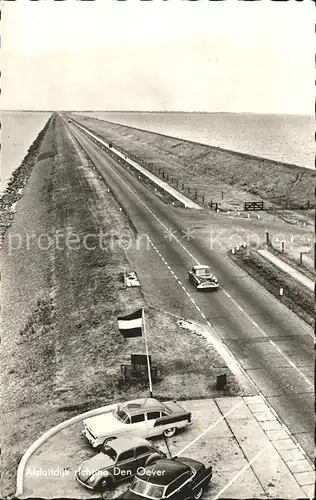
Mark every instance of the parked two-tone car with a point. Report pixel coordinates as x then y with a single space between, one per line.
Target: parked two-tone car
144 417
178 478
202 278
120 459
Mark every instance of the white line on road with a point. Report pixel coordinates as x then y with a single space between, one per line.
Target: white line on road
233 364
209 428
187 202
247 466
310 384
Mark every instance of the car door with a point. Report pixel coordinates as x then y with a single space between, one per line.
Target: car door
138 425
125 466
141 455
151 418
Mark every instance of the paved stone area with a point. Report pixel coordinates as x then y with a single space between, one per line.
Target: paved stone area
252 454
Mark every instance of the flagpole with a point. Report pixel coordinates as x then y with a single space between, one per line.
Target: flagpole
148 363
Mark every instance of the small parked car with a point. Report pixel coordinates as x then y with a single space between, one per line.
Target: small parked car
202 278
120 459
176 479
144 417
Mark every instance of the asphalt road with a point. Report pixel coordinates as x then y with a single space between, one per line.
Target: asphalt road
273 345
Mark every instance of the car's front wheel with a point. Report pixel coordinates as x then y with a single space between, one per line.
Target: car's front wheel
168 433
198 494
105 483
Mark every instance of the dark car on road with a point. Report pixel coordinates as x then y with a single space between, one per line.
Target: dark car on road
202 278
120 459
176 479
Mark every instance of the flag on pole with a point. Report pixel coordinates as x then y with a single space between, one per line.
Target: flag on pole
131 325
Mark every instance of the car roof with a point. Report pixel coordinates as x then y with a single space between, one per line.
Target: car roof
125 443
200 266
143 404
170 469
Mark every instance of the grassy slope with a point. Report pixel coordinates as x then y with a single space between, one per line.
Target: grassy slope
66 356
202 165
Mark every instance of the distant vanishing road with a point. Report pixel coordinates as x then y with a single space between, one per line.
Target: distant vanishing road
273 345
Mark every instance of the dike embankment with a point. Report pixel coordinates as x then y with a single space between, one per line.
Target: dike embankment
228 177
18 180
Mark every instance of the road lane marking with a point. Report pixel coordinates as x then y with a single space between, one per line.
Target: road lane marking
197 263
187 202
246 467
233 365
211 426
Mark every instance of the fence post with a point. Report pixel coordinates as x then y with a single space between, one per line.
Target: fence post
267 238
195 194
182 186
282 250
216 206
301 258
222 195
203 198
189 189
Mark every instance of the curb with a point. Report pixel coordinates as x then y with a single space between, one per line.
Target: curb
291 436
47 435
162 184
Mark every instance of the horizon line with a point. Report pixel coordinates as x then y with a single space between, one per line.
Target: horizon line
152 111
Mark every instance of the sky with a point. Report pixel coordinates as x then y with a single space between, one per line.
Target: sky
229 56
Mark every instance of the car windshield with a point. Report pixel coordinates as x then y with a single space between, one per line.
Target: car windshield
203 272
121 415
107 450
147 490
